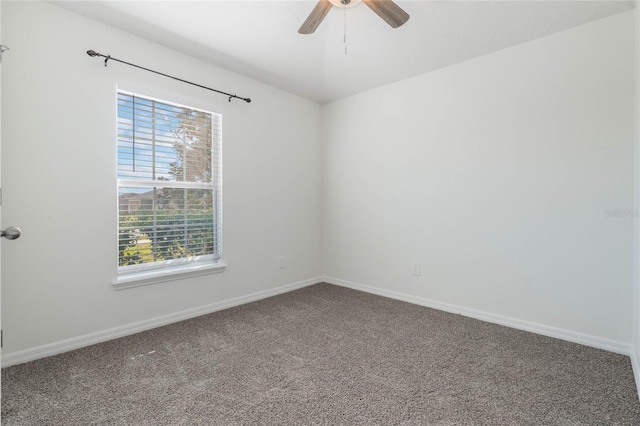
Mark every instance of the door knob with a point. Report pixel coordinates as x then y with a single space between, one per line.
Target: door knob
11 233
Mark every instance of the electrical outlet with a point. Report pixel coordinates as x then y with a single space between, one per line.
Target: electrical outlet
282 262
416 269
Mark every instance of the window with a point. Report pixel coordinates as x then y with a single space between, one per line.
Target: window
169 189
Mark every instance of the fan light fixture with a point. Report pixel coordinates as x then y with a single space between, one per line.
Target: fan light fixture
345 3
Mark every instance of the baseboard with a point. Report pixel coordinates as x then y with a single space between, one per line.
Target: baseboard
545 330
55 348
635 364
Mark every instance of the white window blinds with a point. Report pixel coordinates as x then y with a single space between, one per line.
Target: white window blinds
169 184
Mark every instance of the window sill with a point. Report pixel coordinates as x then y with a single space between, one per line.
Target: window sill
138 279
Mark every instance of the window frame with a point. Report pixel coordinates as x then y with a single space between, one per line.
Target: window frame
174 269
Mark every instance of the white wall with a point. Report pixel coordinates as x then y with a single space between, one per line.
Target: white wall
495 175
59 178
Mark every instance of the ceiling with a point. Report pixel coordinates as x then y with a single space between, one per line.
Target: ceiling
259 39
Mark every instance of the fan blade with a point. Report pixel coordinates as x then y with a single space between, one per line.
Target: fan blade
389 11
315 17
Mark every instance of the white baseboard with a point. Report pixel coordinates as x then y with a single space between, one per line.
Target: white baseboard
635 364
545 330
55 348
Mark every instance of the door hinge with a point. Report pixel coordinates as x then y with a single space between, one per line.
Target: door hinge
3 49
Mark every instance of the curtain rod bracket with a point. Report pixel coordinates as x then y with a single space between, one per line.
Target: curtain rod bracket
93 53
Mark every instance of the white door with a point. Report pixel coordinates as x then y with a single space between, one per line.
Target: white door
0 194
0 191
10 233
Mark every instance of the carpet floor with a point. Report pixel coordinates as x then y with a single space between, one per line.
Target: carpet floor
325 355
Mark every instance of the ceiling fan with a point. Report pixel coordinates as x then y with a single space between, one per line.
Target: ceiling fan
386 9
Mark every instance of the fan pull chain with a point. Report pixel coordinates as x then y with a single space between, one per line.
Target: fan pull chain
345 31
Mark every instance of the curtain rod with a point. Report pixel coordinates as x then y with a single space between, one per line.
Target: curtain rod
93 53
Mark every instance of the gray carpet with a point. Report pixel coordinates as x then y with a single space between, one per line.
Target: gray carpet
325 355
